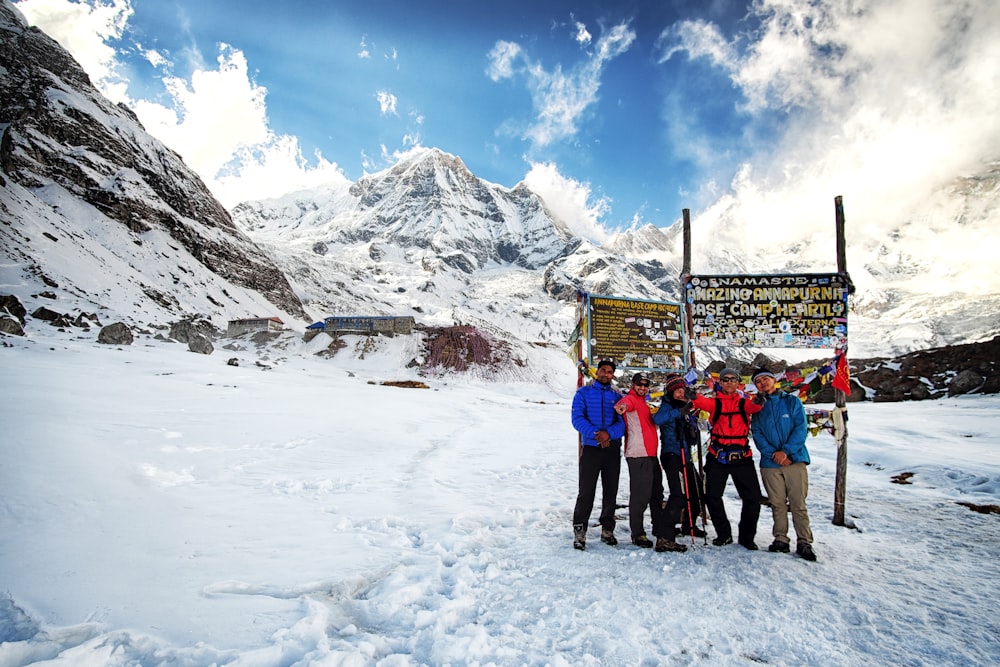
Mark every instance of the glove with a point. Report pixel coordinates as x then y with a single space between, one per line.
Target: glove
781 458
758 398
687 408
690 393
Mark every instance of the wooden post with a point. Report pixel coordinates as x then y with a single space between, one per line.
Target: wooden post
686 216
839 397
685 275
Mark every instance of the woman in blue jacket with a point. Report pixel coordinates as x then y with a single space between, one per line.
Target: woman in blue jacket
779 433
678 434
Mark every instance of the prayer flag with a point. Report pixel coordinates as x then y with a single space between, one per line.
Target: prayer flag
842 380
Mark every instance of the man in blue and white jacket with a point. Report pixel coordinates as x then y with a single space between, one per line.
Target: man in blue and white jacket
779 433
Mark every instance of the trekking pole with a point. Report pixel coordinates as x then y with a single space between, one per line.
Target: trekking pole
687 491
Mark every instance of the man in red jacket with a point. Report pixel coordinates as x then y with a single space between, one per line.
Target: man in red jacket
729 455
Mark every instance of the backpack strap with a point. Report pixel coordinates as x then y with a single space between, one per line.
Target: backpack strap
730 448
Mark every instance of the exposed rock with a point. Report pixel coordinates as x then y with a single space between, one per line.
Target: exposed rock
233 362
965 382
774 365
185 330
11 325
118 333
934 373
43 313
11 304
86 320
200 344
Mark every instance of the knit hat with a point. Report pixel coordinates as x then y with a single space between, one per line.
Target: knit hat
672 384
729 371
762 373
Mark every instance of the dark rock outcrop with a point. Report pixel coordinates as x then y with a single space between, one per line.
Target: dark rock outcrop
200 344
12 305
11 325
185 330
118 333
926 374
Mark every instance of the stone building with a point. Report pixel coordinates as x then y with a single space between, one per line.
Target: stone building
253 325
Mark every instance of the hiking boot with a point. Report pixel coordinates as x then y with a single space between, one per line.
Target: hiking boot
665 544
698 532
580 536
779 547
642 541
608 537
722 541
805 550
749 545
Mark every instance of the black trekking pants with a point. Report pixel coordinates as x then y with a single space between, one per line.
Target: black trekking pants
605 463
747 486
645 480
679 477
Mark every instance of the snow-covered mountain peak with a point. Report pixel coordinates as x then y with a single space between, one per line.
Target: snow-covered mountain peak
102 217
646 241
428 200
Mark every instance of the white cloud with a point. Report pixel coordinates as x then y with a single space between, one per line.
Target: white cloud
363 51
569 200
154 58
583 36
386 102
501 60
700 39
212 116
217 121
559 98
83 30
885 102
272 168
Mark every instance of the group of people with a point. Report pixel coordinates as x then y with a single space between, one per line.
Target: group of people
605 419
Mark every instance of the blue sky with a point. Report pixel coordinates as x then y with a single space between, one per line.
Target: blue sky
357 80
576 85
756 113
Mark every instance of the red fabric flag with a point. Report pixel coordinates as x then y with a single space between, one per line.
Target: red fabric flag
842 378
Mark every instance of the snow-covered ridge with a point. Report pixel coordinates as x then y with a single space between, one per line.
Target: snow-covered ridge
103 218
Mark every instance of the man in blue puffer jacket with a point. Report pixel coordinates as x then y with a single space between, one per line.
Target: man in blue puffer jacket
779 433
601 429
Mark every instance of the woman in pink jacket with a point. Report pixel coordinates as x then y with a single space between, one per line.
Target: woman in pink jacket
644 472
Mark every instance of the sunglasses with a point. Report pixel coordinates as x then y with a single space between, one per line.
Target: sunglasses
730 379
642 384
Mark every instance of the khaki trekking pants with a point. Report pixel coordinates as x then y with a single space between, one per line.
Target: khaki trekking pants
786 489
